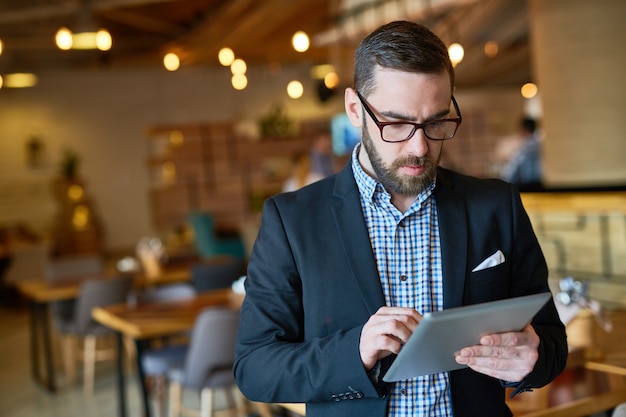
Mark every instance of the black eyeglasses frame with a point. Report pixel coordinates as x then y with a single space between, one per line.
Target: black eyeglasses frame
416 126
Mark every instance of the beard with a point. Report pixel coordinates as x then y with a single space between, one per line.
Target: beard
390 177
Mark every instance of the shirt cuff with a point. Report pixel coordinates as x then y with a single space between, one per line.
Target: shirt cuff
518 387
374 373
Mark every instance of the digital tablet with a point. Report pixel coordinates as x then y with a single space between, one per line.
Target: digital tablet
439 335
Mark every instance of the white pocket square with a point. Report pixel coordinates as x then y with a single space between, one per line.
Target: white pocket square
495 259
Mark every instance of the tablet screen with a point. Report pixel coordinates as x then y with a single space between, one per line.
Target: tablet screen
432 346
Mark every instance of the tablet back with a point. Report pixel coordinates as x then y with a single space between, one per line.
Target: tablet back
433 344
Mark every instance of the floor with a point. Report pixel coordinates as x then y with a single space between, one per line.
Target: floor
21 396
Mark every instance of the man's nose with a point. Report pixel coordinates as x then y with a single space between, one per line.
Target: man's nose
418 144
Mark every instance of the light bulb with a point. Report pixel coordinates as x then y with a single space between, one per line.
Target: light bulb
331 80
171 62
103 40
64 39
300 41
295 89
456 53
226 56
491 49
529 90
238 67
239 81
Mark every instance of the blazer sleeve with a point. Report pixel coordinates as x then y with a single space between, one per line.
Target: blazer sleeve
503 220
489 216
281 355
530 262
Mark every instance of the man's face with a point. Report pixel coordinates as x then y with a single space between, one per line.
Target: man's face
408 167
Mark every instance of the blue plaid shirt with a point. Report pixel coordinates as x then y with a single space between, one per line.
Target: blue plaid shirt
408 255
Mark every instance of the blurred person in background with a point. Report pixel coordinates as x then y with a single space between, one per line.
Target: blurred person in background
311 166
524 166
302 173
322 155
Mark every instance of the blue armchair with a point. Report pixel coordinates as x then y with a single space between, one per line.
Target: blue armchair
208 244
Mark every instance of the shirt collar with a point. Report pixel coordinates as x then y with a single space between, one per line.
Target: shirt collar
371 189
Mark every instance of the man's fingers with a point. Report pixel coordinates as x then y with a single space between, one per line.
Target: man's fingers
385 332
527 337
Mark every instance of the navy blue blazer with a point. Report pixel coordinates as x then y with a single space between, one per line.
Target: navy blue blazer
313 283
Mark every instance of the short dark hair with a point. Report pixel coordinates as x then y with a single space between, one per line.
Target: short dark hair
529 124
404 46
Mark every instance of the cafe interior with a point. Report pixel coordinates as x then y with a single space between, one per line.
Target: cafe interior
139 139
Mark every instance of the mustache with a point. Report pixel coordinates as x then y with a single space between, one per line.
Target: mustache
412 160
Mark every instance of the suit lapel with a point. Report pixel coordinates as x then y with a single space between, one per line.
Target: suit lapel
354 239
452 217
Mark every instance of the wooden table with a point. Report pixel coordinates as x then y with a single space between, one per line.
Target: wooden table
41 292
577 392
612 365
153 320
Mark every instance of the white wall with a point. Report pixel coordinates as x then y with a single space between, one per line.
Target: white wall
103 114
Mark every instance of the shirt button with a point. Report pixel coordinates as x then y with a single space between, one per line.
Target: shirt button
403 278
403 391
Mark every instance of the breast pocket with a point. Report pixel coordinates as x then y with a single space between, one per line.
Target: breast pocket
489 283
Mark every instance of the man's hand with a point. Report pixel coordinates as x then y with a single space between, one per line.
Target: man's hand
385 332
506 356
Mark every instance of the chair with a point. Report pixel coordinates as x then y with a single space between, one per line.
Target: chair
619 411
217 273
93 293
207 364
27 262
64 268
155 361
71 267
208 244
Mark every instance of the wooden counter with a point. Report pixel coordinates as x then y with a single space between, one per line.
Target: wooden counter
579 202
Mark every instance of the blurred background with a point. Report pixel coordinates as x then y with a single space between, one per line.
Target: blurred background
199 105
141 137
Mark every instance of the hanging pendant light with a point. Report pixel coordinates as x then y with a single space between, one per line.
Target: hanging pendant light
86 34
456 53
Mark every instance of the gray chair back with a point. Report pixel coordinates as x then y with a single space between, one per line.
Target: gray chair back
98 293
619 411
73 267
56 270
216 274
211 354
27 263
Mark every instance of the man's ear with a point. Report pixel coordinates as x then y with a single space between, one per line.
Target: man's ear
353 107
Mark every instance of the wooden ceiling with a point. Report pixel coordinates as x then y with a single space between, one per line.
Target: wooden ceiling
259 31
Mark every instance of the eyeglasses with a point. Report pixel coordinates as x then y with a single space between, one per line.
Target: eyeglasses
439 129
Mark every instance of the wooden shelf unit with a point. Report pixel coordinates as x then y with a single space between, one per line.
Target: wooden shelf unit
209 167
